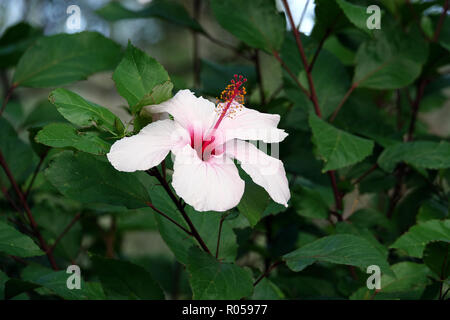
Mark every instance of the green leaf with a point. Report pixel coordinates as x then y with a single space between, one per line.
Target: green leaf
257 22
310 203
362 116
423 154
3 279
159 93
267 290
163 267
309 287
391 60
330 78
17 244
290 55
432 209
14 287
18 155
393 6
42 114
62 135
273 208
82 112
214 76
341 249
370 218
170 11
331 81
328 16
39 149
136 76
207 224
356 14
414 241
347 228
56 282
253 203
408 283
338 148
444 36
344 54
211 279
65 58
14 113
52 222
436 257
434 94
15 40
125 280
139 219
90 179
175 238
141 120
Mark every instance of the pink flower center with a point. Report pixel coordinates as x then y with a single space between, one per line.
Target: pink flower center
204 147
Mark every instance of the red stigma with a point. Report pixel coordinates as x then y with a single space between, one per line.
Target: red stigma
234 92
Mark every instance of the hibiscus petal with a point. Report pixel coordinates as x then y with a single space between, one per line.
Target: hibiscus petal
193 113
249 124
212 185
147 148
266 171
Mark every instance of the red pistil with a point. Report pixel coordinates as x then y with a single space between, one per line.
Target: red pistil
233 92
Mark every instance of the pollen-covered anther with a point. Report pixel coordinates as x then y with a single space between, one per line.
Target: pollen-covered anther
232 98
232 110
235 91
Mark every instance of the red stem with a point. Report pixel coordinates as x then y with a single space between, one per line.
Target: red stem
259 78
441 22
7 97
18 259
313 97
416 17
291 74
7 197
224 45
319 48
415 108
63 233
444 266
336 192
196 57
218 236
24 203
397 194
312 89
168 218
269 270
36 171
365 174
347 95
154 172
